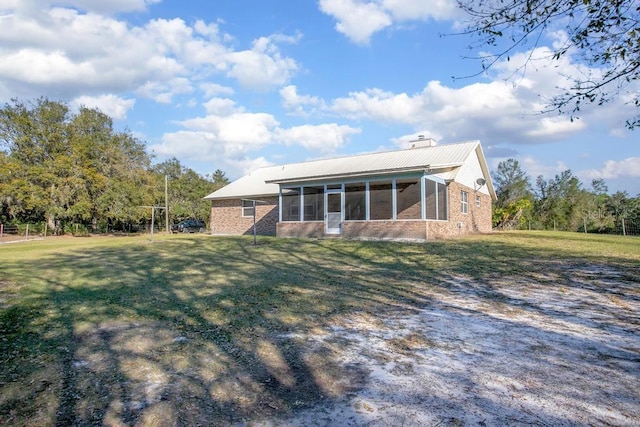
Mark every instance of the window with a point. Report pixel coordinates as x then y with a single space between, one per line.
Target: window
464 202
290 204
442 201
435 200
380 200
478 201
408 199
247 208
431 199
313 203
355 201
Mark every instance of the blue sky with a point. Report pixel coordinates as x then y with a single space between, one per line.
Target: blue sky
235 85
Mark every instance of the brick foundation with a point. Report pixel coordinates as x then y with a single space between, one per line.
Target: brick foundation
414 230
300 229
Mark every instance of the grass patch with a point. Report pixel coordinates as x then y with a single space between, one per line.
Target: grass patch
200 330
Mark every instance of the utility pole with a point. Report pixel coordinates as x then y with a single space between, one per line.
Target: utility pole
166 202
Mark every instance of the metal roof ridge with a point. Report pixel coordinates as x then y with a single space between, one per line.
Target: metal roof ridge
371 153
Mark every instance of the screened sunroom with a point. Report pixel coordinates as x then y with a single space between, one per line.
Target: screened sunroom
400 198
419 193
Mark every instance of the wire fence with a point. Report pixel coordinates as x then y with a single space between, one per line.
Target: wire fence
11 232
33 231
22 232
627 228
620 227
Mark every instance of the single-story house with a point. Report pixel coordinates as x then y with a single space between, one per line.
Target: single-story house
423 192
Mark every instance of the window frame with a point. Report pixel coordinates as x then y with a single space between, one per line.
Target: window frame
294 206
313 201
436 199
250 207
402 210
354 196
433 207
384 190
464 202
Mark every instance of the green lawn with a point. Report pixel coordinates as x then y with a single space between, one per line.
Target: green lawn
197 329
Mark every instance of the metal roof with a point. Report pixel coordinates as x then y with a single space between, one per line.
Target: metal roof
265 181
251 185
435 157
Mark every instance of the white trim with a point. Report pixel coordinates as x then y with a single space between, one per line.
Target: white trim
327 193
394 200
243 207
367 202
423 199
464 202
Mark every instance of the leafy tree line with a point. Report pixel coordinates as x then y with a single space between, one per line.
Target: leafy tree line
63 167
562 202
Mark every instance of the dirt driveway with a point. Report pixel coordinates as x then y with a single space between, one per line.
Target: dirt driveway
508 351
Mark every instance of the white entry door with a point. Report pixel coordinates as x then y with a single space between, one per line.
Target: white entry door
333 217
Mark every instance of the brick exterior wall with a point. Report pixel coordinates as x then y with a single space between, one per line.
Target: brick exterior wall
414 230
301 229
477 220
226 217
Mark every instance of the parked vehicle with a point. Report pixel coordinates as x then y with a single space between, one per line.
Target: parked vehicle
189 226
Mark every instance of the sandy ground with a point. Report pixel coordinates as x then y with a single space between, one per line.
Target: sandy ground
509 352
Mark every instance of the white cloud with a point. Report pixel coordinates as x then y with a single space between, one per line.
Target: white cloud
381 105
222 107
100 53
231 132
114 106
251 130
412 10
297 103
612 169
325 137
213 89
555 126
228 135
202 146
477 111
534 168
246 165
163 92
496 112
358 20
101 7
537 78
262 67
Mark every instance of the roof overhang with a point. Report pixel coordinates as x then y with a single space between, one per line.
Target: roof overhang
361 174
248 196
486 173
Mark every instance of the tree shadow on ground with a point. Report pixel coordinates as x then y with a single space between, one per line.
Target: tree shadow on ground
197 330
